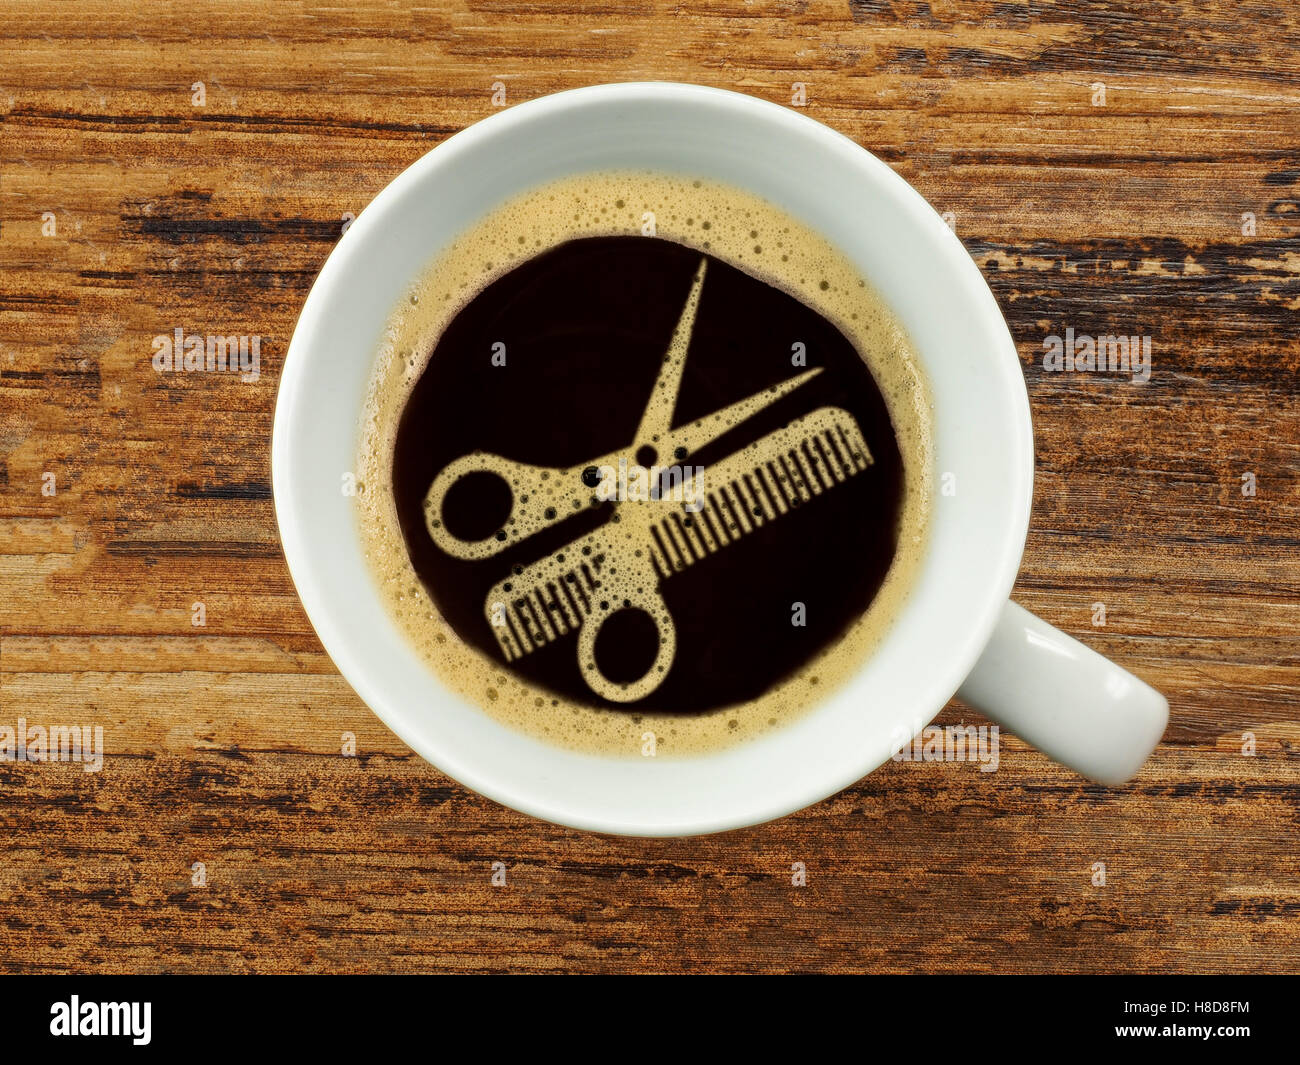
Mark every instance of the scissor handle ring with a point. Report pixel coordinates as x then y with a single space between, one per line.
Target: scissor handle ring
632 690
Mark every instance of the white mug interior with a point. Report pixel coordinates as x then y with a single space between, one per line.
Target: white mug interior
982 437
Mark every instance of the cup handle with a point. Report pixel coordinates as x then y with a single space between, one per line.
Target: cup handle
1067 700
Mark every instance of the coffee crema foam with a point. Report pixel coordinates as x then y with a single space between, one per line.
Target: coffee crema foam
753 236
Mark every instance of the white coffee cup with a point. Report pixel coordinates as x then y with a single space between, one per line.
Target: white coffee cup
957 632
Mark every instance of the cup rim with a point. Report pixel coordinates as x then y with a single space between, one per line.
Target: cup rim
294 525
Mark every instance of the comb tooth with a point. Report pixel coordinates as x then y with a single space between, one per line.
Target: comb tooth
858 462
728 510
704 536
747 505
674 523
512 624
801 492
843 442
754 481
830 469
762 508
657 555
577 610
681 531
738 526
843 446
661 537
670 557
528 624
573 578
772 500
842 468
702 532
505 637
867 460
758 495
571 617
538 614
529 640
786 482
814 486
537 596
753 505
719 522
714 533
660 566
682 558
809 467
815 464
738 523
555 612
811 487
736 506
538 609
778 489
520 648
743 506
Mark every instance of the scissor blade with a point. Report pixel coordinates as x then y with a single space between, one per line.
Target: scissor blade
659 409
707 429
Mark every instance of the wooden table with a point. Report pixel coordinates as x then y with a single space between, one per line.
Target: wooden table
133 203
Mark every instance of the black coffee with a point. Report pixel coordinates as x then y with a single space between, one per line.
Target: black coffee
626 480
554 364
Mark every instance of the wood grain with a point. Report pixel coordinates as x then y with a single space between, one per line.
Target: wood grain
223 741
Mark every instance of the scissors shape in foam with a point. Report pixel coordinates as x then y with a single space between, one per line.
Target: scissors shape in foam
621 565
541 496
